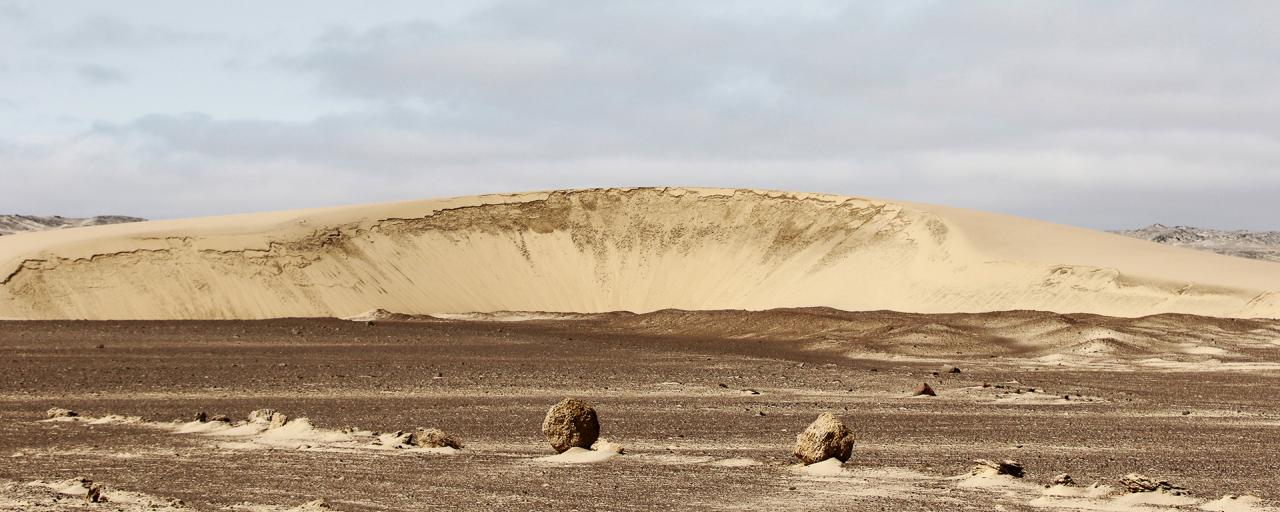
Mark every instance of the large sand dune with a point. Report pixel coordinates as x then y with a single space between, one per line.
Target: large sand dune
616 249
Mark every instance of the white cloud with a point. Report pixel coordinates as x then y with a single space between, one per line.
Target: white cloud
1096 113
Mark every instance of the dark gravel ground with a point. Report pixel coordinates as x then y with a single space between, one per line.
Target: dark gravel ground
491 383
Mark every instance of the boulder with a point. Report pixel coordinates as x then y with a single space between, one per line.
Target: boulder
277 420
1012 468
924 389
58 412
826 438
1135 482
571 423
433 438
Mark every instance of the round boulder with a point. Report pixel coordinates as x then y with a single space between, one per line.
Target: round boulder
827 437
571 423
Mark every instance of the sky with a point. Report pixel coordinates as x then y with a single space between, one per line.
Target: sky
1103 114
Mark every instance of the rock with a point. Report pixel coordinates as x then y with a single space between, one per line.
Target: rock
277 420
1012 468
924 389
94 495
1134 482
826 438
202 417
433 438
319 504
571 423
221 418
1064 479
261 415
58 412
950 369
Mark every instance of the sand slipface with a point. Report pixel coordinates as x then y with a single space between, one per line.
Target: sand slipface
571 424
599 250
826 438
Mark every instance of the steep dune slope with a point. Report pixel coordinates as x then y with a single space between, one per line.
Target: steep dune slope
614 249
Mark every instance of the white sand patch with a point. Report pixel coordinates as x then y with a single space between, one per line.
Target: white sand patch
602 451
1232 503
829 467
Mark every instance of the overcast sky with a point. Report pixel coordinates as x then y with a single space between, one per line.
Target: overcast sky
1103 114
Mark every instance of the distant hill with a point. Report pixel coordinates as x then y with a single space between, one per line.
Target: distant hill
11 224
1258 245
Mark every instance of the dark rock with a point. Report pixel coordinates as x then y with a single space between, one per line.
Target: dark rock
924 389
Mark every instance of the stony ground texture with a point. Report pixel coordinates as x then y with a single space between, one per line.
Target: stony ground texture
708 421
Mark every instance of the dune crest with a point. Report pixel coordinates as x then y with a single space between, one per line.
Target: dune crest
603 250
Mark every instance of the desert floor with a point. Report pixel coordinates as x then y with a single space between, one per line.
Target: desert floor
707 421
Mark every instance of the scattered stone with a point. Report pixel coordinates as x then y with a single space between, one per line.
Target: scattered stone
319 504
202 417
571 423
261 415
94 495
1064 479
1012 468
924 389
1135 482
433 438
827 437
58 412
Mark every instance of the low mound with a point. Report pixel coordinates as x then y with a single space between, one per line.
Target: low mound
601 250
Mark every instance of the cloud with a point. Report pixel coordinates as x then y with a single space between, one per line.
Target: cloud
108 33
1095 113
98 74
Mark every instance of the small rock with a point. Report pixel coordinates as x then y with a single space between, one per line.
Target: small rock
571 423
58 412
277 420
723 385
100 346
1064 479
94 495
433 438
1012 468
950 369
223 418
1135 482
202 417
827 437
924 389
261 415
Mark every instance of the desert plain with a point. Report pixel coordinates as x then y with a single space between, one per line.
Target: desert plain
706 327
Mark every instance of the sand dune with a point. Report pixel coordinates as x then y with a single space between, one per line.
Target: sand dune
614 249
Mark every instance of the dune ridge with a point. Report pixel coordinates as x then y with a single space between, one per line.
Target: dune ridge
598 250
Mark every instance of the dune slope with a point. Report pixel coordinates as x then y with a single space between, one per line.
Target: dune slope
614 249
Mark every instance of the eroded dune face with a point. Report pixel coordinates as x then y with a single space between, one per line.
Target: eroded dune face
614 249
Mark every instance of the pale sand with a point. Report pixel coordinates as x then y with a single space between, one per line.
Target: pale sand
592 251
